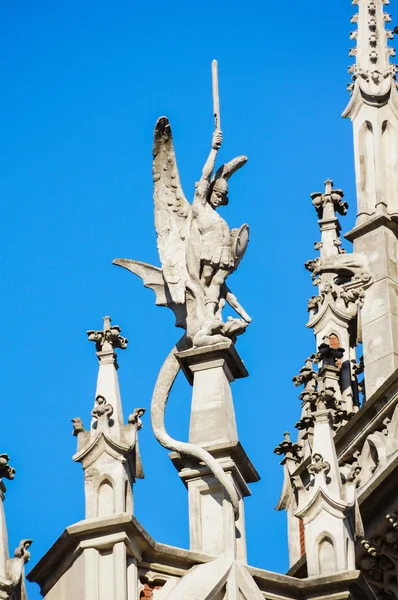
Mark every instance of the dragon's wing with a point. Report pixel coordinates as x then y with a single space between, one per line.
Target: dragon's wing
152 278
171 211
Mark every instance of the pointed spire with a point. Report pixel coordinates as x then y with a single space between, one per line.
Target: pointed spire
372 72
325 502
327 205
373 110
109 450
107 341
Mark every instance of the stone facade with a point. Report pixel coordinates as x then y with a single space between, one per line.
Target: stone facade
339 474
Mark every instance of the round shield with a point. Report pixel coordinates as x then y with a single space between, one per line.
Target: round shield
240 241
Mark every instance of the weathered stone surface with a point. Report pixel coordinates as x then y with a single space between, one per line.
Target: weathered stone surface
109 450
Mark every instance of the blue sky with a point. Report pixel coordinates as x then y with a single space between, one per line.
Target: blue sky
83 84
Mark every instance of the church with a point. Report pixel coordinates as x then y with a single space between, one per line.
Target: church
339 467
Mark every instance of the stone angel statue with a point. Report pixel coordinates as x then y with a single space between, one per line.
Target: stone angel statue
196 247
198 251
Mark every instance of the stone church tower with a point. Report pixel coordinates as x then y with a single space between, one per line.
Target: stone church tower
338 492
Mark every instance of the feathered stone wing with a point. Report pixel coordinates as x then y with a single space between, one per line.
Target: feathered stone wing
171 211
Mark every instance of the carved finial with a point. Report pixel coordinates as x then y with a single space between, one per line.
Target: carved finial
22 550
135 417
372 71
108 338
77 426
287 447
6 472
328 205
328 186
330 202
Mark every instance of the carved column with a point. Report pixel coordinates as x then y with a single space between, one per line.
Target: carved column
213 530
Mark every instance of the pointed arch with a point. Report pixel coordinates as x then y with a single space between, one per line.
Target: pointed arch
106 497
327 559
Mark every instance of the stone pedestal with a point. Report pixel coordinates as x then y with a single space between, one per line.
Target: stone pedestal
213 530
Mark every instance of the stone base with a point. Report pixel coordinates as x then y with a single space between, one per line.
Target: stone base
198 356
231 455
211 521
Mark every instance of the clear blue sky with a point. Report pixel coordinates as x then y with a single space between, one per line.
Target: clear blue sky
82 86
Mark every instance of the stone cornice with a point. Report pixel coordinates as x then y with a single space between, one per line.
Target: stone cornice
67 548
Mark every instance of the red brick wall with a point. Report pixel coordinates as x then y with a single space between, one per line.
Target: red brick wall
146 593
302 539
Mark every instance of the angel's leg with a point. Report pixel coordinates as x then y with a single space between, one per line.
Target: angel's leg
207 274
213 292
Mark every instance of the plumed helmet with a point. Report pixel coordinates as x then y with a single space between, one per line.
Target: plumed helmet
220 185
219 182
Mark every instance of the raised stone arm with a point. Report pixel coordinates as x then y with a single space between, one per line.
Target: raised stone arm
209 167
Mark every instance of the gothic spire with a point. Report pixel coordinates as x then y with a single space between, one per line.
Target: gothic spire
372 71
107 340
108 451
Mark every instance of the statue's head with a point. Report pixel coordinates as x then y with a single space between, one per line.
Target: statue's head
218 193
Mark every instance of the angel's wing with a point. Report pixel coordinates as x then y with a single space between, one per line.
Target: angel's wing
171 211
227 170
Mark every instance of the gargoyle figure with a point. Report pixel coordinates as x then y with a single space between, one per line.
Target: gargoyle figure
197 251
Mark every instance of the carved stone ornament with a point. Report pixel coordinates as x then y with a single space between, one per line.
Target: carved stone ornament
288 448
108 337
78 426
135 417
15 565
102 410
341 277
198 251
318 465
331 196
372 71
22 550
6 472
